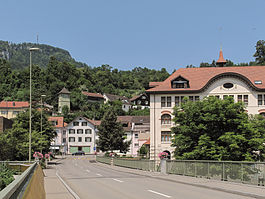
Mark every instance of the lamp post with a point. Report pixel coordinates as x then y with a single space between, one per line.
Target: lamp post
41 114
30 66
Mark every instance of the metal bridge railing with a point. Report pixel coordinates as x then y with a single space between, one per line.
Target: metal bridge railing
103 159
146 165
244 172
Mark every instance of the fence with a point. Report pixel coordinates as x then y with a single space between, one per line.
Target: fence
244 172
146 165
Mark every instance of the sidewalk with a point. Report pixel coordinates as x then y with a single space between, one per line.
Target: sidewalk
229 187
54 188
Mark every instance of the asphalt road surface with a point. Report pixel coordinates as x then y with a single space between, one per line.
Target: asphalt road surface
93 180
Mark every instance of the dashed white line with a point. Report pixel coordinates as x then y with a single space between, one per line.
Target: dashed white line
116 180
98 174
161 194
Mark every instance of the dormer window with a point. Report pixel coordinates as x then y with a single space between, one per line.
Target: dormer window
180 82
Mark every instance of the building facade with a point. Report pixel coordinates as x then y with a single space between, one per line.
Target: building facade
63 99
82 135
60 142
126 104
141 101
244 84
10 109
137 130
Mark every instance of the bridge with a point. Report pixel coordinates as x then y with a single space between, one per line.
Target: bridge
101 177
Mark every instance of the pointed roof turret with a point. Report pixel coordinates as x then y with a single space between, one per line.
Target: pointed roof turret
64 91
221 61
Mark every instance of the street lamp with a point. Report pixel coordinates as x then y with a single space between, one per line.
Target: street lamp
41 114
30 66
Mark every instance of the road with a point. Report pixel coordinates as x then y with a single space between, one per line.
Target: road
94 180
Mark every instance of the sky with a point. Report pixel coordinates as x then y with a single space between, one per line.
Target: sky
125 34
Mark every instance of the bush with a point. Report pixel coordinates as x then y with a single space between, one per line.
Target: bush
6 176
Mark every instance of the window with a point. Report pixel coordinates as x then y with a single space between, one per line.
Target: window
88 131
71 139
64 132
228 85
168 101
136 135
136 144
4 112
239 98
88 139
177 101
79 131
79 139
165 136
166 119
163 101
191 98
15 112
180 82
76 123
84 123
246 99
64 140
258 82
259 99
225 96
71 131
197 98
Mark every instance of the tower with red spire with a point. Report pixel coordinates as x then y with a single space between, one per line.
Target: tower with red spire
221 61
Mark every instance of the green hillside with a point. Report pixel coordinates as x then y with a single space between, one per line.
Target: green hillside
18 54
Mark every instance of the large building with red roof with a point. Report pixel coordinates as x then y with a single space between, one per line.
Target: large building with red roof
246 84
10 109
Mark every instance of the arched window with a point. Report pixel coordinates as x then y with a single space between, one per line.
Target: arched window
166 119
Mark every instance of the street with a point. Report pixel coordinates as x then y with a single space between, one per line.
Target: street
87 179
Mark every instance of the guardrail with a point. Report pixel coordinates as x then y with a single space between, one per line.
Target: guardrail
18 186
103 159
147 165
233 171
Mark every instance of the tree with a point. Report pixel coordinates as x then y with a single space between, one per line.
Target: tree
214 129
111 134
260 52
14 143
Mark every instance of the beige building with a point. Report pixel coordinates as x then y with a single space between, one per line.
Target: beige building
245 84
64 99
10 109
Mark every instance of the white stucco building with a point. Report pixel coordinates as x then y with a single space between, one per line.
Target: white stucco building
245 84
82 135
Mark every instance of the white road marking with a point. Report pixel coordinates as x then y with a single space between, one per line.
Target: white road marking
117 180
87 171
67 187
161 194
98 174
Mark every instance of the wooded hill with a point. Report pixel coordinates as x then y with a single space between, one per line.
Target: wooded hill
18 54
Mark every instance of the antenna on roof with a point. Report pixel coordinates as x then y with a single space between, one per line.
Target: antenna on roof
37 38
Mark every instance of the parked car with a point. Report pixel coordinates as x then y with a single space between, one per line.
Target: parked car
79 153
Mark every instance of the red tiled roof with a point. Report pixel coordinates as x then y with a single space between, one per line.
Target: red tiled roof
154 84
13 104
135 98
147 142
95 122
96 95
60 121
199 77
